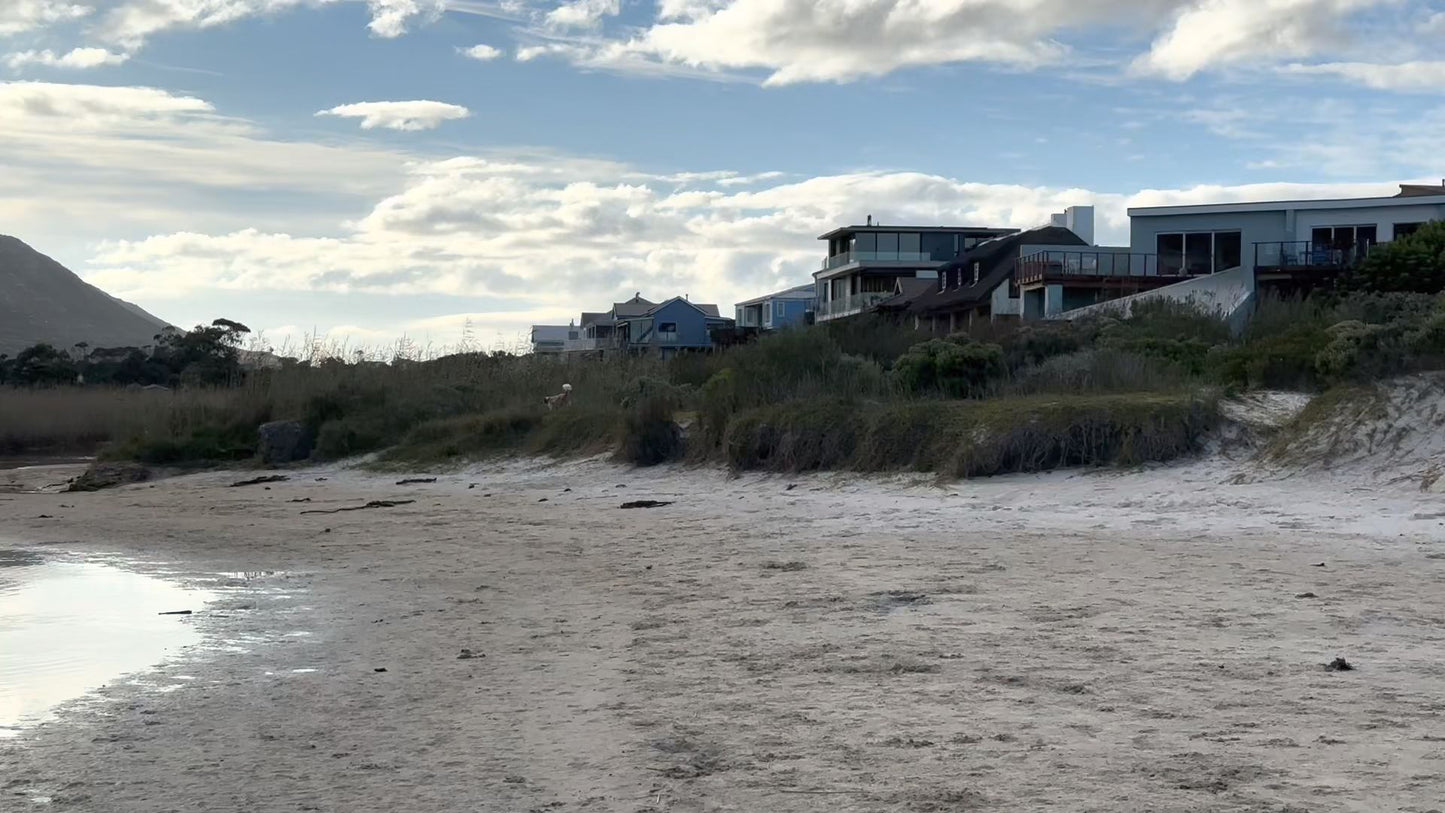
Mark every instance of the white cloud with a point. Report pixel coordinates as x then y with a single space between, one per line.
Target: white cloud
78 58
20 16
409 116
130 23
390 18
1211 33
583 13
1426 76
481 53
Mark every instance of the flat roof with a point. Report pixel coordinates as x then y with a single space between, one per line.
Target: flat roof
796 292
1280 205
989 230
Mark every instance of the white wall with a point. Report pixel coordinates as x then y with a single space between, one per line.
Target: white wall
1383 218
1225 293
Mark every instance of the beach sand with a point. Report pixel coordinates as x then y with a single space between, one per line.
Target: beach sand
1086 641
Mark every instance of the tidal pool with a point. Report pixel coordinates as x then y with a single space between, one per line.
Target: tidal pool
71 625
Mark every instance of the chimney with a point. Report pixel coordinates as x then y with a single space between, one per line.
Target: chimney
870 220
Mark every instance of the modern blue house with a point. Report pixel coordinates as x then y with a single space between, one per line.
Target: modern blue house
778 310
666 328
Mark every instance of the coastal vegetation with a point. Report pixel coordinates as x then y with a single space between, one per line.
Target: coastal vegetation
864 394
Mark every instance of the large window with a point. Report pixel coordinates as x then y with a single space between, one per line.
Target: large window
1198 253
667 331
1406 229
888 243
908 244
1170 248
1228 247
1343 237
867 242
938 246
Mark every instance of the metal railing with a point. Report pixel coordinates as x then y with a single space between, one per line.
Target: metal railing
851 304
1307 254
1041 265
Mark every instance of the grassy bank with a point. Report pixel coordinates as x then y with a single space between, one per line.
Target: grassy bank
969 438
861 394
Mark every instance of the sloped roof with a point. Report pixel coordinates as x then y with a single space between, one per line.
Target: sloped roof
1415 190
996 260
707 310
635 306
909 289
595 319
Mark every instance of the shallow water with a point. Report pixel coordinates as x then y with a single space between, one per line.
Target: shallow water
68 626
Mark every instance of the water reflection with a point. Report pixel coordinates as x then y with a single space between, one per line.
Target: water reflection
70 626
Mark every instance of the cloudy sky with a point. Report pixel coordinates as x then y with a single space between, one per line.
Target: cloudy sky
369 169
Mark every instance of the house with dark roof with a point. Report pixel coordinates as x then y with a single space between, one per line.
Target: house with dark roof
777 310
670 327
865 263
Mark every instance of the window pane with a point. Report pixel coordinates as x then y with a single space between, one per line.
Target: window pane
1367 235
1197 249
867 242
1406 229
908 242
937 246
888 243
1323 237
1170 248
1227 246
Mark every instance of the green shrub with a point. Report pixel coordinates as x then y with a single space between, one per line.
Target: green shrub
968 438
1099 371
1413 264
650 435
956 367
467 436
577 430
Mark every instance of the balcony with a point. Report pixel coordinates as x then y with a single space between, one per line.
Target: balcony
588 345
840 260
1046 266
1304 255
848 305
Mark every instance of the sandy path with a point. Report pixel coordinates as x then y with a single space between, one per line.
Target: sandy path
1071 642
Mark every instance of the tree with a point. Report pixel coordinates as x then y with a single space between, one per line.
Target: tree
208 355
1411 264
42 365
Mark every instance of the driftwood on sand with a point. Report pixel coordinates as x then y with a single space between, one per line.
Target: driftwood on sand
372 504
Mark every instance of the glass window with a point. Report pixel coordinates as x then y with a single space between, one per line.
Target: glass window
1406 229
667 331
1367 235
867 242
1197 253
937 246
1322 237
1170 248
1227 248
888 243
908 243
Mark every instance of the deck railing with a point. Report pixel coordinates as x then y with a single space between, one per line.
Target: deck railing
1036 267
1307 254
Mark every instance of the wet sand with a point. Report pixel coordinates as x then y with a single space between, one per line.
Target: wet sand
1081 642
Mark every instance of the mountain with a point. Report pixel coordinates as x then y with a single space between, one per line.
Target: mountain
43 301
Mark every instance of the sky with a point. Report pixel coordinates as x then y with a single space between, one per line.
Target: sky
452 171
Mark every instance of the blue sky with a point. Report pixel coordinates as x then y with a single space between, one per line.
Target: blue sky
347 167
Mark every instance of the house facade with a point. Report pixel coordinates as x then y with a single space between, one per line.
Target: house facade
865 263
1277 236
672 326
550 340
778 310
1221 255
